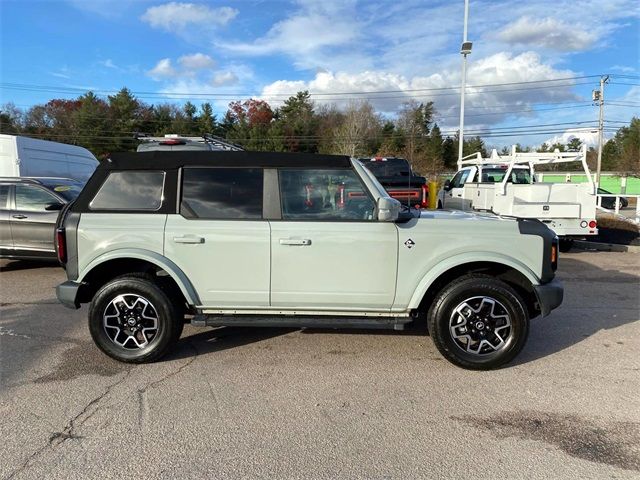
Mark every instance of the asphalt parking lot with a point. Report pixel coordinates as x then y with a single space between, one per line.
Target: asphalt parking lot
238 403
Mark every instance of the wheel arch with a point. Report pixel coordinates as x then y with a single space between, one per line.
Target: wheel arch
120 262
513 272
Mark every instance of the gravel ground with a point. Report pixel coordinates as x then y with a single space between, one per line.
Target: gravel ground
237 403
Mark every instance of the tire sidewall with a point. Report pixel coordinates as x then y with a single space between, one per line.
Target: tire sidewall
164 309
488 287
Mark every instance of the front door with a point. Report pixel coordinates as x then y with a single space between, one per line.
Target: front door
453 197
219 238
32 225
329 252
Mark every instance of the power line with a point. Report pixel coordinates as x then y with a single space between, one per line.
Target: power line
23 86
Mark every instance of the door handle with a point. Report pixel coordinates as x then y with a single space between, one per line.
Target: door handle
293 241
188 239
19 216
458 194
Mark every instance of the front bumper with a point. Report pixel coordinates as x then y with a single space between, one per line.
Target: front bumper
549 296
67 294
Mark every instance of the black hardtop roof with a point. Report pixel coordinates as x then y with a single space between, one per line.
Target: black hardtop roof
169 160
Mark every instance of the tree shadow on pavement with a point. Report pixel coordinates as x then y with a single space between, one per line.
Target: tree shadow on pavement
595 299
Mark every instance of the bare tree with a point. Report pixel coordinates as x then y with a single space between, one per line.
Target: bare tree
360 126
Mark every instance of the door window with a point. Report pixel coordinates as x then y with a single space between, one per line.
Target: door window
333 195
460 178
222 193
33 199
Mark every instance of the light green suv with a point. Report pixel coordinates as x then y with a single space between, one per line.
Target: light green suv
158 239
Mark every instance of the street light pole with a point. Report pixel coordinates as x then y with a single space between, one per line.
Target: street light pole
464 50
604 79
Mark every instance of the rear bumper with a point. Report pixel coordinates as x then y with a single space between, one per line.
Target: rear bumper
67 294
549 295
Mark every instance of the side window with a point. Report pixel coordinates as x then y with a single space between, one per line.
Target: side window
33 199
460 178
324 195
222 193
4 197
130 190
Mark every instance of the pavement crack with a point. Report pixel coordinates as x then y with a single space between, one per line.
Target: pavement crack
169 375
69 432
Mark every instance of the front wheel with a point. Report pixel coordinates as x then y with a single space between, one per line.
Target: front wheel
478 322
133 320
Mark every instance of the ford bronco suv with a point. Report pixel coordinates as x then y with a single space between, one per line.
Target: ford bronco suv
160 238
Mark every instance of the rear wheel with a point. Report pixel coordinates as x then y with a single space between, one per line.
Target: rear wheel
133 320
478 322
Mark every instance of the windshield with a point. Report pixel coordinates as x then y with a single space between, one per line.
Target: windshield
67 189
390 167
518 175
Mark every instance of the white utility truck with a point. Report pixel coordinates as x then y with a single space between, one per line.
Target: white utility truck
506 185
31 157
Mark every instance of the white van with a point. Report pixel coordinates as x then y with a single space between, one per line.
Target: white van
30 157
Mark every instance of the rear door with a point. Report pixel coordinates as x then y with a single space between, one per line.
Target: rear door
219 238
32 225
329 252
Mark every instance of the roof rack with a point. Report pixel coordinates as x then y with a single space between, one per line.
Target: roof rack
217 143
530 159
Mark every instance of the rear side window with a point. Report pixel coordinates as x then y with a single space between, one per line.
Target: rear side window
130 190
222 193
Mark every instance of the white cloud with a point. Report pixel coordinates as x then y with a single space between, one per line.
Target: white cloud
163 69
108 63
396 89
176 16
588 136
548 32
305 34
224 78
196 61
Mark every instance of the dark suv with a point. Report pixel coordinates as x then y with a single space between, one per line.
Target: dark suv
29 209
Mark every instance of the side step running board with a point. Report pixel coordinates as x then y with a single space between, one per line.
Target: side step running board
395 323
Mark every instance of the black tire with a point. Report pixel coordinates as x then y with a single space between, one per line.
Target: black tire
565 244
469 291
159 309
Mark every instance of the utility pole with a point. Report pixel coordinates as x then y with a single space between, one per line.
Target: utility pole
464 50
599 96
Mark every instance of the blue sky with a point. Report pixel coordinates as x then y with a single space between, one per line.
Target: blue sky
218 51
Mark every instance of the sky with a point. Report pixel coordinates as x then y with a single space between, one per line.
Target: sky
388 52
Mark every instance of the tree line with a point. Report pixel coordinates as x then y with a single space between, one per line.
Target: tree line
299 125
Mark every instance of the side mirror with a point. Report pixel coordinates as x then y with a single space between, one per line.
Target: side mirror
54 206
447 184
388 209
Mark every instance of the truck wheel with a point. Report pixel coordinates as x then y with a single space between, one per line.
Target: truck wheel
133 320
565 244
478 322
